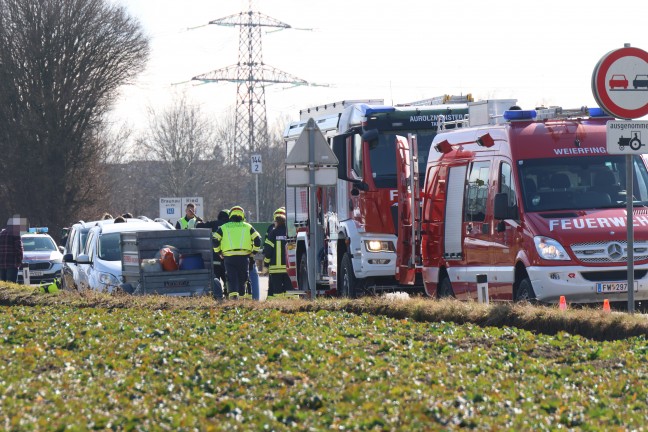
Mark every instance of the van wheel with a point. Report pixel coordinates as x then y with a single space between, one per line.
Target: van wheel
445 288
525 291
347 281
302 275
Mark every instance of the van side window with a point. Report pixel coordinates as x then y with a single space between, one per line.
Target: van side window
507 185
476 192
357 155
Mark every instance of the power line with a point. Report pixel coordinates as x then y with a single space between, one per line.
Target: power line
251 76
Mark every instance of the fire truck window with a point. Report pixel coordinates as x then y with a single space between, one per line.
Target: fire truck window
507 185
357 155
477 192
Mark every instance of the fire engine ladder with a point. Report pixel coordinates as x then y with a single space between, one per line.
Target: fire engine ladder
415 208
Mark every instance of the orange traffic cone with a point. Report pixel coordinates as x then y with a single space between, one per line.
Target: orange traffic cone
563 303
606 305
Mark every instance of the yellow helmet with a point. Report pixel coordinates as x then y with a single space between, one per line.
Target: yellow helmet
237 211
279 212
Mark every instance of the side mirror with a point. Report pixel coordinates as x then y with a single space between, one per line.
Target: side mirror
61 249
68 258
360 185
83 259
501 208
340 151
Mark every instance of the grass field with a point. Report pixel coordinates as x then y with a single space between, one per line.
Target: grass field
76 362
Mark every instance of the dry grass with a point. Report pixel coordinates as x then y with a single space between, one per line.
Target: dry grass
589 323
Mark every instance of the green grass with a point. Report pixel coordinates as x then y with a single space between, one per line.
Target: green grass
93 361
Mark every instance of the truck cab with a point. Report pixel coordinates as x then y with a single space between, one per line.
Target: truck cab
533 200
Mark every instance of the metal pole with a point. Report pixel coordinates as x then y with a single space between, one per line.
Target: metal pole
256 180
630 230
312 214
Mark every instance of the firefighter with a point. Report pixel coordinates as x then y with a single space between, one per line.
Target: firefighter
236 241
190 219
275 256
280 210
219 266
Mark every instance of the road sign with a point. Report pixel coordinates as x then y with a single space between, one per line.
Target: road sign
299 155
257 164
173 209
627 137
311 152
620 82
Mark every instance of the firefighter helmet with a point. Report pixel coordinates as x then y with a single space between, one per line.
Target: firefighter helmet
237 211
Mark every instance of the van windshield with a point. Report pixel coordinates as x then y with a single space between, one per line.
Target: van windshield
580 183
382 156
110 247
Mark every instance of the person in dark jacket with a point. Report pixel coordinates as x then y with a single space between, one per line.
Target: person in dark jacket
274 253
11 248
221 219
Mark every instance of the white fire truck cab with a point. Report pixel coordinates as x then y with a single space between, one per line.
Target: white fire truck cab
357 220
532 200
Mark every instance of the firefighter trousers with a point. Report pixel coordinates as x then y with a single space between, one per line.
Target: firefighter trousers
237 271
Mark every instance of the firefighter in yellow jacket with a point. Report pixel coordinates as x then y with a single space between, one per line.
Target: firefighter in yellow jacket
236 241
274 253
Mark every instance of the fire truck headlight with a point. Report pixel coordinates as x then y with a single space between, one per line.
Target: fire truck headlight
379 246
550 249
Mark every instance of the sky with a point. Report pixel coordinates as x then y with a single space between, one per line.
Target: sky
538 52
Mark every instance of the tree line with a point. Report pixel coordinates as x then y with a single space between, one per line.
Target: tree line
61 65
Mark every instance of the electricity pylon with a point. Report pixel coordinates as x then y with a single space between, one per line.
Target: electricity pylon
251 76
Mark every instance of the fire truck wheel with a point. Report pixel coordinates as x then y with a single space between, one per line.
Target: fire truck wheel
347 279
302 276
445 288
525 291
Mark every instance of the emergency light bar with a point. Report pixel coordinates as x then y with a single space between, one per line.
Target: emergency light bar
553 113
38 230
519 115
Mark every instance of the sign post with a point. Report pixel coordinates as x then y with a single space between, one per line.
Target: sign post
311 163
620 86
257 168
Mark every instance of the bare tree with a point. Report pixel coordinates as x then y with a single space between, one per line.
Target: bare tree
61 64
179 137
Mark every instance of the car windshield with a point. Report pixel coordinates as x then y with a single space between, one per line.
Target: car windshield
382 155
110 247
580 183
38 244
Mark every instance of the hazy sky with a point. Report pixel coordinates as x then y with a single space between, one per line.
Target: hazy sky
539 52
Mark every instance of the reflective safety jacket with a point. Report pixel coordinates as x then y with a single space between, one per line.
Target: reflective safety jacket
236 238
187 224
274 250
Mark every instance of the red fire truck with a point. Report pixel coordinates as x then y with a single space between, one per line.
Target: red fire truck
529 198
357 220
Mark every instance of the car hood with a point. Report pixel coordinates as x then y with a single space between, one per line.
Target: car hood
42 256
112 267
589 225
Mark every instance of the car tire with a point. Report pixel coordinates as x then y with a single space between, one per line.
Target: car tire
302 274
347 282
525 292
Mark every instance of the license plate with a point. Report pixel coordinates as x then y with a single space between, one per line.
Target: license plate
614 287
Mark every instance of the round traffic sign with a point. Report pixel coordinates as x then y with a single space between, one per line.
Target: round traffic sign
620 83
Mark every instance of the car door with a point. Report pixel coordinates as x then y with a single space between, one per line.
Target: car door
84 269
505 236
69 271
